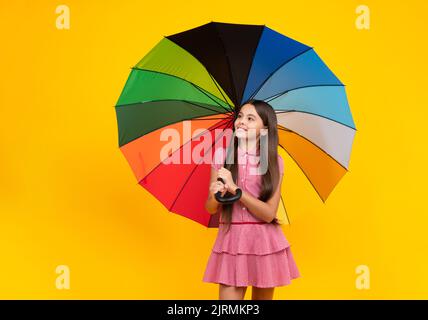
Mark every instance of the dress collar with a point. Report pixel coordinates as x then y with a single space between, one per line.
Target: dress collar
252 151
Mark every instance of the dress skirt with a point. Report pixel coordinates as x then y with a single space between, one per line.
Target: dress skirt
251 254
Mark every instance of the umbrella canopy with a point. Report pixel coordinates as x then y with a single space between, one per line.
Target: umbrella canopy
197 77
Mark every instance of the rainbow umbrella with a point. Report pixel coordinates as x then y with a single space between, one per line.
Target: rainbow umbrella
196 78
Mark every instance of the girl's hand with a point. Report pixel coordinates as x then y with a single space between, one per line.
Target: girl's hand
217 186
226 175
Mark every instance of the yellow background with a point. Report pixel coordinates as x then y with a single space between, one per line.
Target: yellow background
68 196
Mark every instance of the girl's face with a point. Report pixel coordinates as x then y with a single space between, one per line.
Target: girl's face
248 123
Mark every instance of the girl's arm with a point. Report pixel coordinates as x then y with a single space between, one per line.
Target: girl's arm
265 211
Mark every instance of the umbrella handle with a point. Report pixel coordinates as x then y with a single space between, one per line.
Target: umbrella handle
228 200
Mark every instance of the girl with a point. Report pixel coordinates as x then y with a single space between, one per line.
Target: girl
250 248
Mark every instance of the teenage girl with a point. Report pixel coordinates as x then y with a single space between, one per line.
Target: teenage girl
250 248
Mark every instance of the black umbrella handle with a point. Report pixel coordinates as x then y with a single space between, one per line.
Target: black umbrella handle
228 200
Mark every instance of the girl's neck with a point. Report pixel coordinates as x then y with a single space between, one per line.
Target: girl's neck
247 145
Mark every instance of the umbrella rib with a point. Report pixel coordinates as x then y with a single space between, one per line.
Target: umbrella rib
160 100
322 150
225 100
302 87
202 119
193 170
315 114
228 62
228 110
252 62
170 123
215 83
285 209
279 67
214 126
303 172
195 85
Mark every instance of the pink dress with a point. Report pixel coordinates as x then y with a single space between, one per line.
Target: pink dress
251 253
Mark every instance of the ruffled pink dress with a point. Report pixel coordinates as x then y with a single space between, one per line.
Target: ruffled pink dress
253 252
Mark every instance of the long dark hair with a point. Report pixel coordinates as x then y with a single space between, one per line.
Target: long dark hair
271 178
